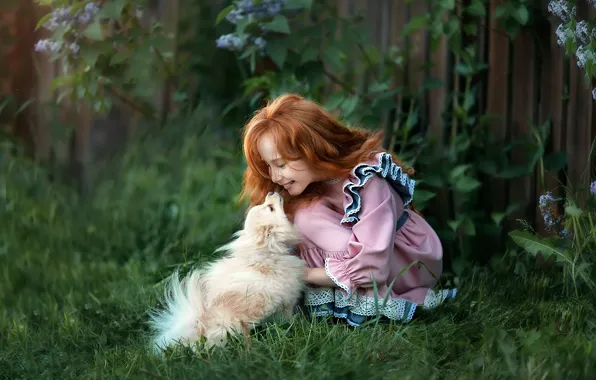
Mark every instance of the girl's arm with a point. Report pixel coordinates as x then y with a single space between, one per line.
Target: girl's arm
369 247
317 276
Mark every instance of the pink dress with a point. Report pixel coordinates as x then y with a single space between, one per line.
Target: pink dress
363 235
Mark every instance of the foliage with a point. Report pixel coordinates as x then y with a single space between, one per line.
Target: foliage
310 48
106 50
78 277
210 74
576 36
150 203
571 241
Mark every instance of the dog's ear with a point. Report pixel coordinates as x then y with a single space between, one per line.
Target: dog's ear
263 233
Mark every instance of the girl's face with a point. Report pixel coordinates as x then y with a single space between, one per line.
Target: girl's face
294 176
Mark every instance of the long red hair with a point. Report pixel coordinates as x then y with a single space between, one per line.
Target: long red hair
302 129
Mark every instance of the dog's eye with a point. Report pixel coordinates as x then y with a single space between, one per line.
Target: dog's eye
271 207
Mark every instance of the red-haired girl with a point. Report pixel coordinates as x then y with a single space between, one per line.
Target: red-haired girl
350 200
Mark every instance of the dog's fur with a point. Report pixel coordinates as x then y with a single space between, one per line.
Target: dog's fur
257 278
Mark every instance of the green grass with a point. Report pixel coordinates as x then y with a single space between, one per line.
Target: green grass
77 278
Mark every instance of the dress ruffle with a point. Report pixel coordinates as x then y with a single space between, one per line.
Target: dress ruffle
357 309
385 168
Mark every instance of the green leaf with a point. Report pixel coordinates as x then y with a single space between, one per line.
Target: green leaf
334 101
476 9
241 26
434 180
555 161
418 22
423 196
448 4
498 217
349 105
378 86
536 245
513 172
278 24
454 224
42 21
111 9
573 211
458 171
333 56
223 13
90 53
309 54
466 184
468 227
522 15
298 4
93 31
277 50
117 58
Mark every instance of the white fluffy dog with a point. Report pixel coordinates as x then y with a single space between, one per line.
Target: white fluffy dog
257 278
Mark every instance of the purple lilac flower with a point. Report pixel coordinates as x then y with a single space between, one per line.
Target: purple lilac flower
261 44
88 13
581 31
60 17
563 33
63 17
593 185
548 208
266 8
560 8
48 46
565 234
581 56
74 48
230 42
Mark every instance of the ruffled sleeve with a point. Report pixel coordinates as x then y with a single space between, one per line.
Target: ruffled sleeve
371 241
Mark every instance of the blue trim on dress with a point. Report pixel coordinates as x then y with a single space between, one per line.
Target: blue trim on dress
355 313
388 170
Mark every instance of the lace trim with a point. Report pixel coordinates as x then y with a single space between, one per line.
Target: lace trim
394 308
436 297
363 172
335 280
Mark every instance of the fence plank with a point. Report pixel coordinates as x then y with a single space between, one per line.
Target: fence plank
437 101
497 97
418 57
553 107
23 73
524 101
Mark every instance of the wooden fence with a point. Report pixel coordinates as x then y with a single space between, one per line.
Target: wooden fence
529 80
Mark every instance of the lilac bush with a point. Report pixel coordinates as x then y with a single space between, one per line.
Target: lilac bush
247 11
578 37
124 62
66 18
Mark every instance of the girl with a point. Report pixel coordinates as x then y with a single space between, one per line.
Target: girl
367 251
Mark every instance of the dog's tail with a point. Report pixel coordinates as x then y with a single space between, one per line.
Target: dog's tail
184 306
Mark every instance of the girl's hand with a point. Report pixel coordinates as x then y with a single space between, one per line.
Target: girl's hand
317 276
306 273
